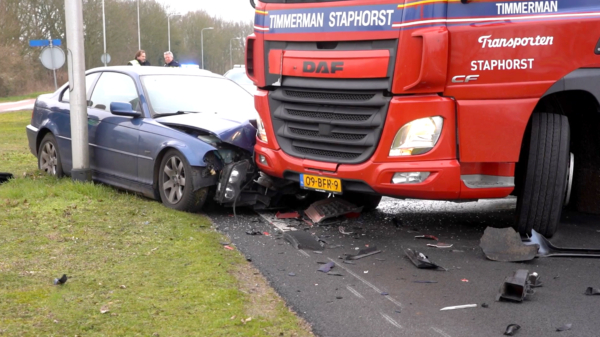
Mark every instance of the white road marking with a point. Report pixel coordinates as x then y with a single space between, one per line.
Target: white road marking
391 320
356 293
440 331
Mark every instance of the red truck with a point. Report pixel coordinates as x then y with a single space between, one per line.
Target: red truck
432 99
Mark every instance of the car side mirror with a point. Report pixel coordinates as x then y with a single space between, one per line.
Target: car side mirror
123 109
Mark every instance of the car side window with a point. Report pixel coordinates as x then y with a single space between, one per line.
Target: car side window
114 87
89 80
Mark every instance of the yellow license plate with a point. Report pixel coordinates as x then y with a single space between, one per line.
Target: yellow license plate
323 184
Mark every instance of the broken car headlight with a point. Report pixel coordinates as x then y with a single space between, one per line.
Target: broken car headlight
230 183
417 137
261 133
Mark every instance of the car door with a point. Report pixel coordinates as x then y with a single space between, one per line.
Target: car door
115 137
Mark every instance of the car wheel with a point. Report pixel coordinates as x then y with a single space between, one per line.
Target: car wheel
49 157
542 175
369 202
176 186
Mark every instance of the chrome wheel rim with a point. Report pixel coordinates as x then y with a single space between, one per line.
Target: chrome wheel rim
49 158
173 179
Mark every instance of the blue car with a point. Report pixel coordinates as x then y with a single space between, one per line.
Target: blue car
166 133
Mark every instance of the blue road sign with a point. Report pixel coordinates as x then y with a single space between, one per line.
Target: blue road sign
44 43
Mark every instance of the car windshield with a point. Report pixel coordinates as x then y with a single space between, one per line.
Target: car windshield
168 94
239 77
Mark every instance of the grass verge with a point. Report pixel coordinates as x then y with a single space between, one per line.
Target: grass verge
20 98
135 267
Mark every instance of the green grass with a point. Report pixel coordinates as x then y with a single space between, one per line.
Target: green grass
156 270
20 98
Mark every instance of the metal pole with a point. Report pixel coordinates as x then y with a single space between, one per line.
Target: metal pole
202 43
169 30
139 36
78 104
53 68
230 53
103 31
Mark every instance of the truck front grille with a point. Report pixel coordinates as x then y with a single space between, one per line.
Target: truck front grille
331 126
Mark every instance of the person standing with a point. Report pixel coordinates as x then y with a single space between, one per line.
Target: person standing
139 60
169 62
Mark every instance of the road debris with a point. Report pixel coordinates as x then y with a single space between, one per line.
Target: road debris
512 329
504 244
4 177
61 281
253 232
326 267
534 280
244 321
464 306
334 274
363 253
330 208
104 309
420 260
292 274
418 281
427 237
439 245
592 291
289 215
465 280
516 288
547 249
342 230
565 327
302 240
485 305
228 247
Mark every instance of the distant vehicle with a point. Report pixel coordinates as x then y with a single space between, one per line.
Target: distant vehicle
238 75
157 131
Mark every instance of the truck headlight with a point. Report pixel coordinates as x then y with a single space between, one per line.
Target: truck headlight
261 133
417 137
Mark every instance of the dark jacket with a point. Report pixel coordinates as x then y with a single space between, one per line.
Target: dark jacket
173 64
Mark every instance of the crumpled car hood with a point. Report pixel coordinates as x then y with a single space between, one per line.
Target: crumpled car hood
234 129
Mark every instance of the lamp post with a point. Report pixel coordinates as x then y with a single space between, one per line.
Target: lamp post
104 32
139 38
202 42
230 54
169 27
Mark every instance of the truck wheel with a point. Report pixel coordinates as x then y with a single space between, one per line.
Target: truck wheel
175 184
542 174
369 202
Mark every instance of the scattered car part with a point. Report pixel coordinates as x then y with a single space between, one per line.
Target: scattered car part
334 274
342 230
421 260
326 267
4 177
512 329
485 305
440 245
292 274
534 280
61 281
426 237
364 253
516 288
425 282
289 215
592 291
253 232
547 249
330 208
302 240
504 244
464 306
565 327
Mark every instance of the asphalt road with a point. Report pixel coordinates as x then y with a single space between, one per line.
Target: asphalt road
355 304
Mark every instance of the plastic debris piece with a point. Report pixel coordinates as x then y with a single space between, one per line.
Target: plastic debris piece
420 260
425 281
398 311
364 253
440 245
516 288
426 237
302 240
464 306
504 244
465 280
485 305
334 274
228 247
253 232
339 297
565 327
384 293
592 291
266 234
289 215
343 231
5 176
366 272
104 309
330 208
326 267
62 280
348 262
512 329
292 274
534 280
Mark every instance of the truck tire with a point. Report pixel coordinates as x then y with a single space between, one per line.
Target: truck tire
369 202
542 174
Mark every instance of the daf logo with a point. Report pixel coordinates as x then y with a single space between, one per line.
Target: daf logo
464 78
323 67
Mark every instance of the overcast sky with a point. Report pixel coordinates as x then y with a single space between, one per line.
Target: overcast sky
230 10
